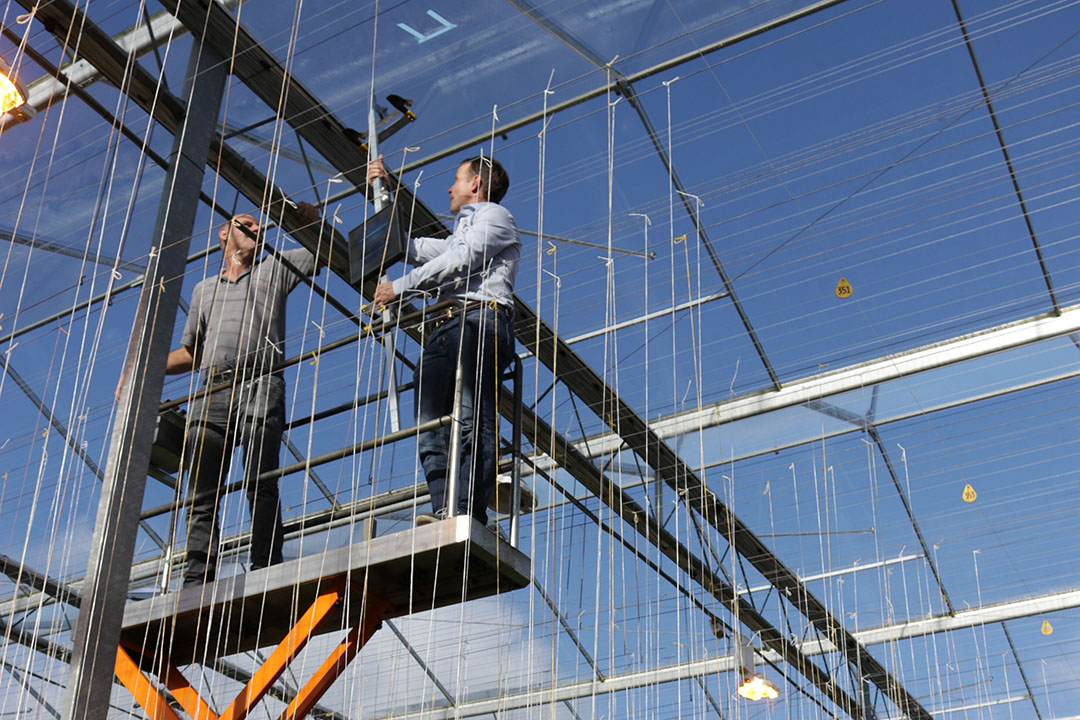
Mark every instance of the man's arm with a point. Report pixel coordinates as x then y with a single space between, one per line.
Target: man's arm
308 214
180 360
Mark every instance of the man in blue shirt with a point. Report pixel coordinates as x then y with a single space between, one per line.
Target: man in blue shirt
472 272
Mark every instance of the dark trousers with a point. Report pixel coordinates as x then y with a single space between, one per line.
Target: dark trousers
209 449
488 348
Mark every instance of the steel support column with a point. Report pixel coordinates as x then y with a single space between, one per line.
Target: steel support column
98 627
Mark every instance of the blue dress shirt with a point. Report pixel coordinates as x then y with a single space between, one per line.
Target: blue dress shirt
477 262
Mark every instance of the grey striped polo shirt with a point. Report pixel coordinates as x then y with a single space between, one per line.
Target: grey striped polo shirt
240 325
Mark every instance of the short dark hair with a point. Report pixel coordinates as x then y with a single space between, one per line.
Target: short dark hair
493 178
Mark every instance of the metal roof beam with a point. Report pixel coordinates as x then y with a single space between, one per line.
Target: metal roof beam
726 663
35 242
606 87
624 87
137 40
64 20
264 74
960 349
1008 160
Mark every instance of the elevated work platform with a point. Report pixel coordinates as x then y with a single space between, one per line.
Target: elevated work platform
354 587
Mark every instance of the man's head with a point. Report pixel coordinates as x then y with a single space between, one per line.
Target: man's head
478 179
232 233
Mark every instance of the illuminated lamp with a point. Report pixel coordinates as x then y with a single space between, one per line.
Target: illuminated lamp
756 687
12 95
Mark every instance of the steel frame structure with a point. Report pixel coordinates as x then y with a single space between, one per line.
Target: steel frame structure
646 439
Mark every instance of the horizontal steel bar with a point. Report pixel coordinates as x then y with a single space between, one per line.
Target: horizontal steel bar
972 706
646 317
315 461
891 367
331 411
845 571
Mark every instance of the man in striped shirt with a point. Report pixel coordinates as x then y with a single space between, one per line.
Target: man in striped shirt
235 333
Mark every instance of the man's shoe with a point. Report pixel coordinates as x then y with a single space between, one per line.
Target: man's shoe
431 517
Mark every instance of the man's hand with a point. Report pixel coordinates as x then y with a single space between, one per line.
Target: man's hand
306 213
384 293
376 169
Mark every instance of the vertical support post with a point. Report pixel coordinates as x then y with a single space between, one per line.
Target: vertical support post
515 491
390 353
865 701
453 472
381 197
97 631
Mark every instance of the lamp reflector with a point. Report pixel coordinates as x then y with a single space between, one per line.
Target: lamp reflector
756 687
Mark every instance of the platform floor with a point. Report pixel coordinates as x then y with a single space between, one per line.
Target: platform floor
415 570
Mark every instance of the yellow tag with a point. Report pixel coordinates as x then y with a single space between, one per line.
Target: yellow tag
843 289
1047 628
969 494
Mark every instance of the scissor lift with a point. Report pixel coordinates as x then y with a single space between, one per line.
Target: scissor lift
356 586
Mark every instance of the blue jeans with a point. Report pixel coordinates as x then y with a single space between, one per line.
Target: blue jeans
487 349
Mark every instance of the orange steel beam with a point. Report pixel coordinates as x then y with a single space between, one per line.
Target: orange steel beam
186 695
338 660
128 672
284 653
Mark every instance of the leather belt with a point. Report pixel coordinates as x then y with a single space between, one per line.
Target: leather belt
440 317
231 375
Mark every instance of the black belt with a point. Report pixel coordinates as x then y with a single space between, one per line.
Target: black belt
250 375
440 317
